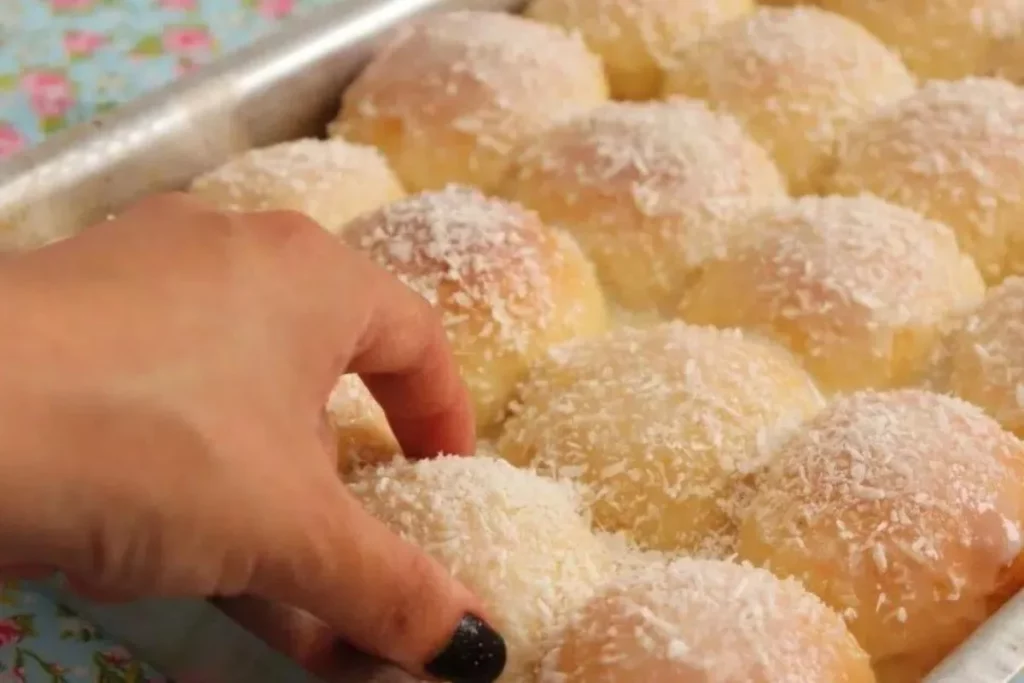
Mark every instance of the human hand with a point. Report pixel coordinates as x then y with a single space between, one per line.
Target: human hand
162 430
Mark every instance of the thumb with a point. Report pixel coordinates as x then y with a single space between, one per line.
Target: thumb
380 593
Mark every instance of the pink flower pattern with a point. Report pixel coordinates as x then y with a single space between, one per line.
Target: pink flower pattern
68 5
10 632
184 5
98 60
188 41
83 43
276 9
49 92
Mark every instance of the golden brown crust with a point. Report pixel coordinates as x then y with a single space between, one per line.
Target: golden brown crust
860 288
796 78
649 190
903 511
453 94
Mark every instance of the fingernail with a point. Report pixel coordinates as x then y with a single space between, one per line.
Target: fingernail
475 654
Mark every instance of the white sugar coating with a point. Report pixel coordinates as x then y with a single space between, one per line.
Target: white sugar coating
955 152
451 96
650 190
945 39
859 287
360 425
665 426
796 78
986 356
701 621
519 541
903 511
506 285
330 181
638 39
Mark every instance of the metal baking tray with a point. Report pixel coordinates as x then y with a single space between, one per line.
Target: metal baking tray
285 86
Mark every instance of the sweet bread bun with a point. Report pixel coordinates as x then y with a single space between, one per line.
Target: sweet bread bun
330 181
360 425
795 78
986 356
507 286
858 287
663 425
454 93
698 621
637 39
649 191
955 152
946 39
515 539
901 510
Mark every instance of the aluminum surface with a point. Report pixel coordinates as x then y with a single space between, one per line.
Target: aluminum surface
283 87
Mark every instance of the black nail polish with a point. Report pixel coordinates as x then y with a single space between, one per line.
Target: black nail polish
475 654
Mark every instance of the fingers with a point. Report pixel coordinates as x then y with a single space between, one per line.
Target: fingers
380 593
404 358
380 329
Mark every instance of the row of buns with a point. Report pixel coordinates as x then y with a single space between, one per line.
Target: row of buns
706 335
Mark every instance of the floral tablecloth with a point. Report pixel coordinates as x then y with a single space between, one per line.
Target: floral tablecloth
61 63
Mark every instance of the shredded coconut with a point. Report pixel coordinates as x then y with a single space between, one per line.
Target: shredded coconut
472 256
646 185
901 509
955 152
945 39
663 425
332 181
519 541
638 39
857 285
796 77
716 622
987 355
493 77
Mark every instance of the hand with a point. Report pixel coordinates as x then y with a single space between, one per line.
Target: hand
162 431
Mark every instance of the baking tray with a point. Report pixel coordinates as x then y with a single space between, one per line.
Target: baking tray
284 86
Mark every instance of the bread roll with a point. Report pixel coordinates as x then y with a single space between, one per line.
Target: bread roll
664 426
507 286
937 38
795 78
518 541
649 191
330 181
360 425
986 356
700 621
903 511
451 96
637 39
953 151
860 288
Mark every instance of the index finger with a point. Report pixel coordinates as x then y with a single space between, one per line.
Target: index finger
405 360
381 330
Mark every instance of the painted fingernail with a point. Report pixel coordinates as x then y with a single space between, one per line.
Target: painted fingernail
475 654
